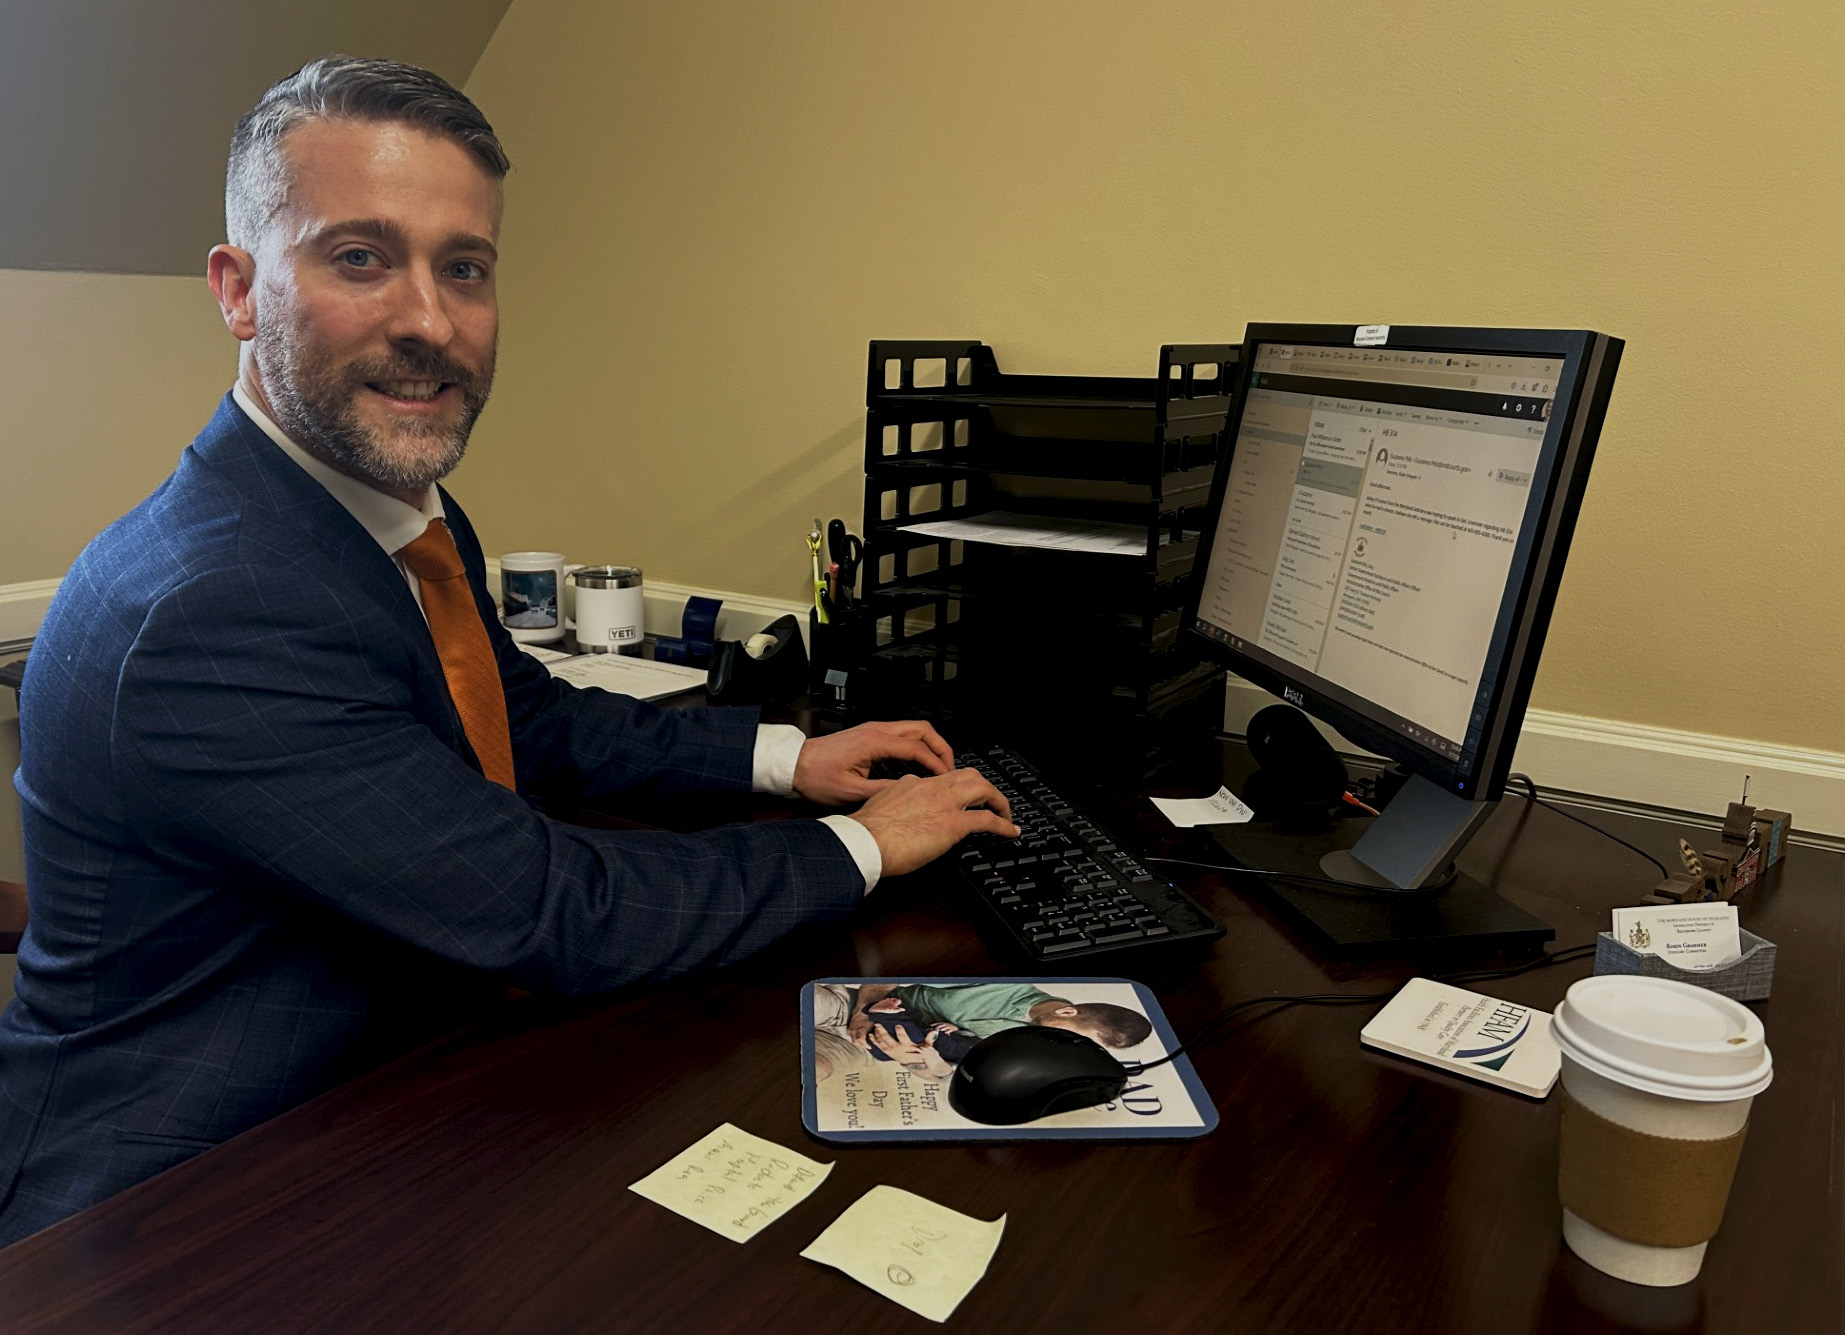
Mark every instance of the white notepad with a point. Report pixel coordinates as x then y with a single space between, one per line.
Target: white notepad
641 678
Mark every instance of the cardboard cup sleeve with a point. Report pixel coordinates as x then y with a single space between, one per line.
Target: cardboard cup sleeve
1653 1190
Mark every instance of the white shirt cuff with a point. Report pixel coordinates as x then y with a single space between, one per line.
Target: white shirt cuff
860 844
778 747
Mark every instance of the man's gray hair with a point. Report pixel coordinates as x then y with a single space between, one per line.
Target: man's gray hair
341 88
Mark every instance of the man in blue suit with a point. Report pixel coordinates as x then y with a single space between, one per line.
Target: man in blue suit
275 834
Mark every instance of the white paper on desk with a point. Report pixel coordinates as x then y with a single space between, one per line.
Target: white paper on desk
542 654
1063 535
1222 807
641 678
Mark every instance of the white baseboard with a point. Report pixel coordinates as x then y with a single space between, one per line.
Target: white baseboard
1682 771
1636 763
22 608
741 616
1631 762
1647 766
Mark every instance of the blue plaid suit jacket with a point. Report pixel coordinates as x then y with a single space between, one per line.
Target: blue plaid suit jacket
261 858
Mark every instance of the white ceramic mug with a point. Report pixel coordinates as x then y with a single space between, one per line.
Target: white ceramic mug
532 596
609 609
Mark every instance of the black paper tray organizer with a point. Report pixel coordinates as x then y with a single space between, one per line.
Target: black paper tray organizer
1029 645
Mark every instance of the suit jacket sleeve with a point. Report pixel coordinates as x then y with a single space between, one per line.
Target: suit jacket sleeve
589 742
266 737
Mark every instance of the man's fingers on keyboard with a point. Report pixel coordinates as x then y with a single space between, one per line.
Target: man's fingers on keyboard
934 741
971 786
975 792
941 753
918 752
980 820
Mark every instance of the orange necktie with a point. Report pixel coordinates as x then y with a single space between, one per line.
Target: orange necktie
462 645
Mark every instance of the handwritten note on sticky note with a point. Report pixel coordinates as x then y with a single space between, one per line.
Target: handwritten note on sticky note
733 1183
1222 807
913 1251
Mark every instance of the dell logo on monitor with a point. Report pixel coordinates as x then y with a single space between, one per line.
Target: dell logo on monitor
1293 696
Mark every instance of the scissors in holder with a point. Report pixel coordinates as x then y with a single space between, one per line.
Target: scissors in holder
848 553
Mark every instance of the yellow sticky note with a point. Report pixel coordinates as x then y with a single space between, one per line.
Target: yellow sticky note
913 1251
733 1183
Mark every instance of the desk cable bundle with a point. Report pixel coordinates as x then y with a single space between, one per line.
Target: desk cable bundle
1568 955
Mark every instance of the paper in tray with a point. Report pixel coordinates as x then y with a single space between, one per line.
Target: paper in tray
849 1096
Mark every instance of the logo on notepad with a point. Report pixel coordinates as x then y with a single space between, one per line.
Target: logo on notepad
1505 1028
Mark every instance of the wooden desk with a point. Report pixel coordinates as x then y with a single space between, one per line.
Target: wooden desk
481 1184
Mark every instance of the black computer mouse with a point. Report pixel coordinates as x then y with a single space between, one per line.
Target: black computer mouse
1019 1075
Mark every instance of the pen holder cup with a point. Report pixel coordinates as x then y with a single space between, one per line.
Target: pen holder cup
1746 978
835 653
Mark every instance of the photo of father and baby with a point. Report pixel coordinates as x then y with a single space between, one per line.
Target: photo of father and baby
929 1027
883 1052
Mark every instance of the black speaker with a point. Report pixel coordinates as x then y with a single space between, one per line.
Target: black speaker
1301 777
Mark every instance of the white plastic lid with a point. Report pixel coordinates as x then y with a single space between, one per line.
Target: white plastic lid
1664 1037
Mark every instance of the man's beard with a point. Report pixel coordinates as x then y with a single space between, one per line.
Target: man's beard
314 402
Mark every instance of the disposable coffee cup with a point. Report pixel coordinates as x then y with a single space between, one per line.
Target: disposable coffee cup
1658 1077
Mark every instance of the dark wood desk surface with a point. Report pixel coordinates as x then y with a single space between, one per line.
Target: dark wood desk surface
481 1184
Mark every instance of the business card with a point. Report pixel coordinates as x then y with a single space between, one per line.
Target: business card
1687 936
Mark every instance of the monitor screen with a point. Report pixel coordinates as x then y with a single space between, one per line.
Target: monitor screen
1388 527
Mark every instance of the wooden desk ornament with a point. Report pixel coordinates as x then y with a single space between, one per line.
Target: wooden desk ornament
1753 839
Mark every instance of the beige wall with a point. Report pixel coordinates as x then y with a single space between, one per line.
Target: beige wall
712 213
104 379
714 206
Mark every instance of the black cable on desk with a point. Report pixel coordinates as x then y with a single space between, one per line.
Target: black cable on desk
1280 1004
1564 956
1362 887
1567 955
1531 796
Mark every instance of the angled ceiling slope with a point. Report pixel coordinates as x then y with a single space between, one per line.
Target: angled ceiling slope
115 115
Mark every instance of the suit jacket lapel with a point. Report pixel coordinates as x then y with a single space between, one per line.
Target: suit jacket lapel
296 509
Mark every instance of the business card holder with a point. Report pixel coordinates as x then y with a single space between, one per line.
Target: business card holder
1746 978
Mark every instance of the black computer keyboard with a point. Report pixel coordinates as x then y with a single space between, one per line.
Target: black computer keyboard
1065 889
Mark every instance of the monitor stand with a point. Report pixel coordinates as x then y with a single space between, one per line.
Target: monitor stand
1462 917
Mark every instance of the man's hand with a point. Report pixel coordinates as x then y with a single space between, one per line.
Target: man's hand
835 770
917 820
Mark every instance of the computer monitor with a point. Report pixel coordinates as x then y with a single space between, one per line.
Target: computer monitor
1384 543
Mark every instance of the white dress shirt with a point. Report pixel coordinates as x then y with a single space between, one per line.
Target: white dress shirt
394 525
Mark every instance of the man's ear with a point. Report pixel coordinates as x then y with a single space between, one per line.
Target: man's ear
232 274
1066 1011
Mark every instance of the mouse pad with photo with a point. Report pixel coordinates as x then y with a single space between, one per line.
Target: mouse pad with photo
890 1082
